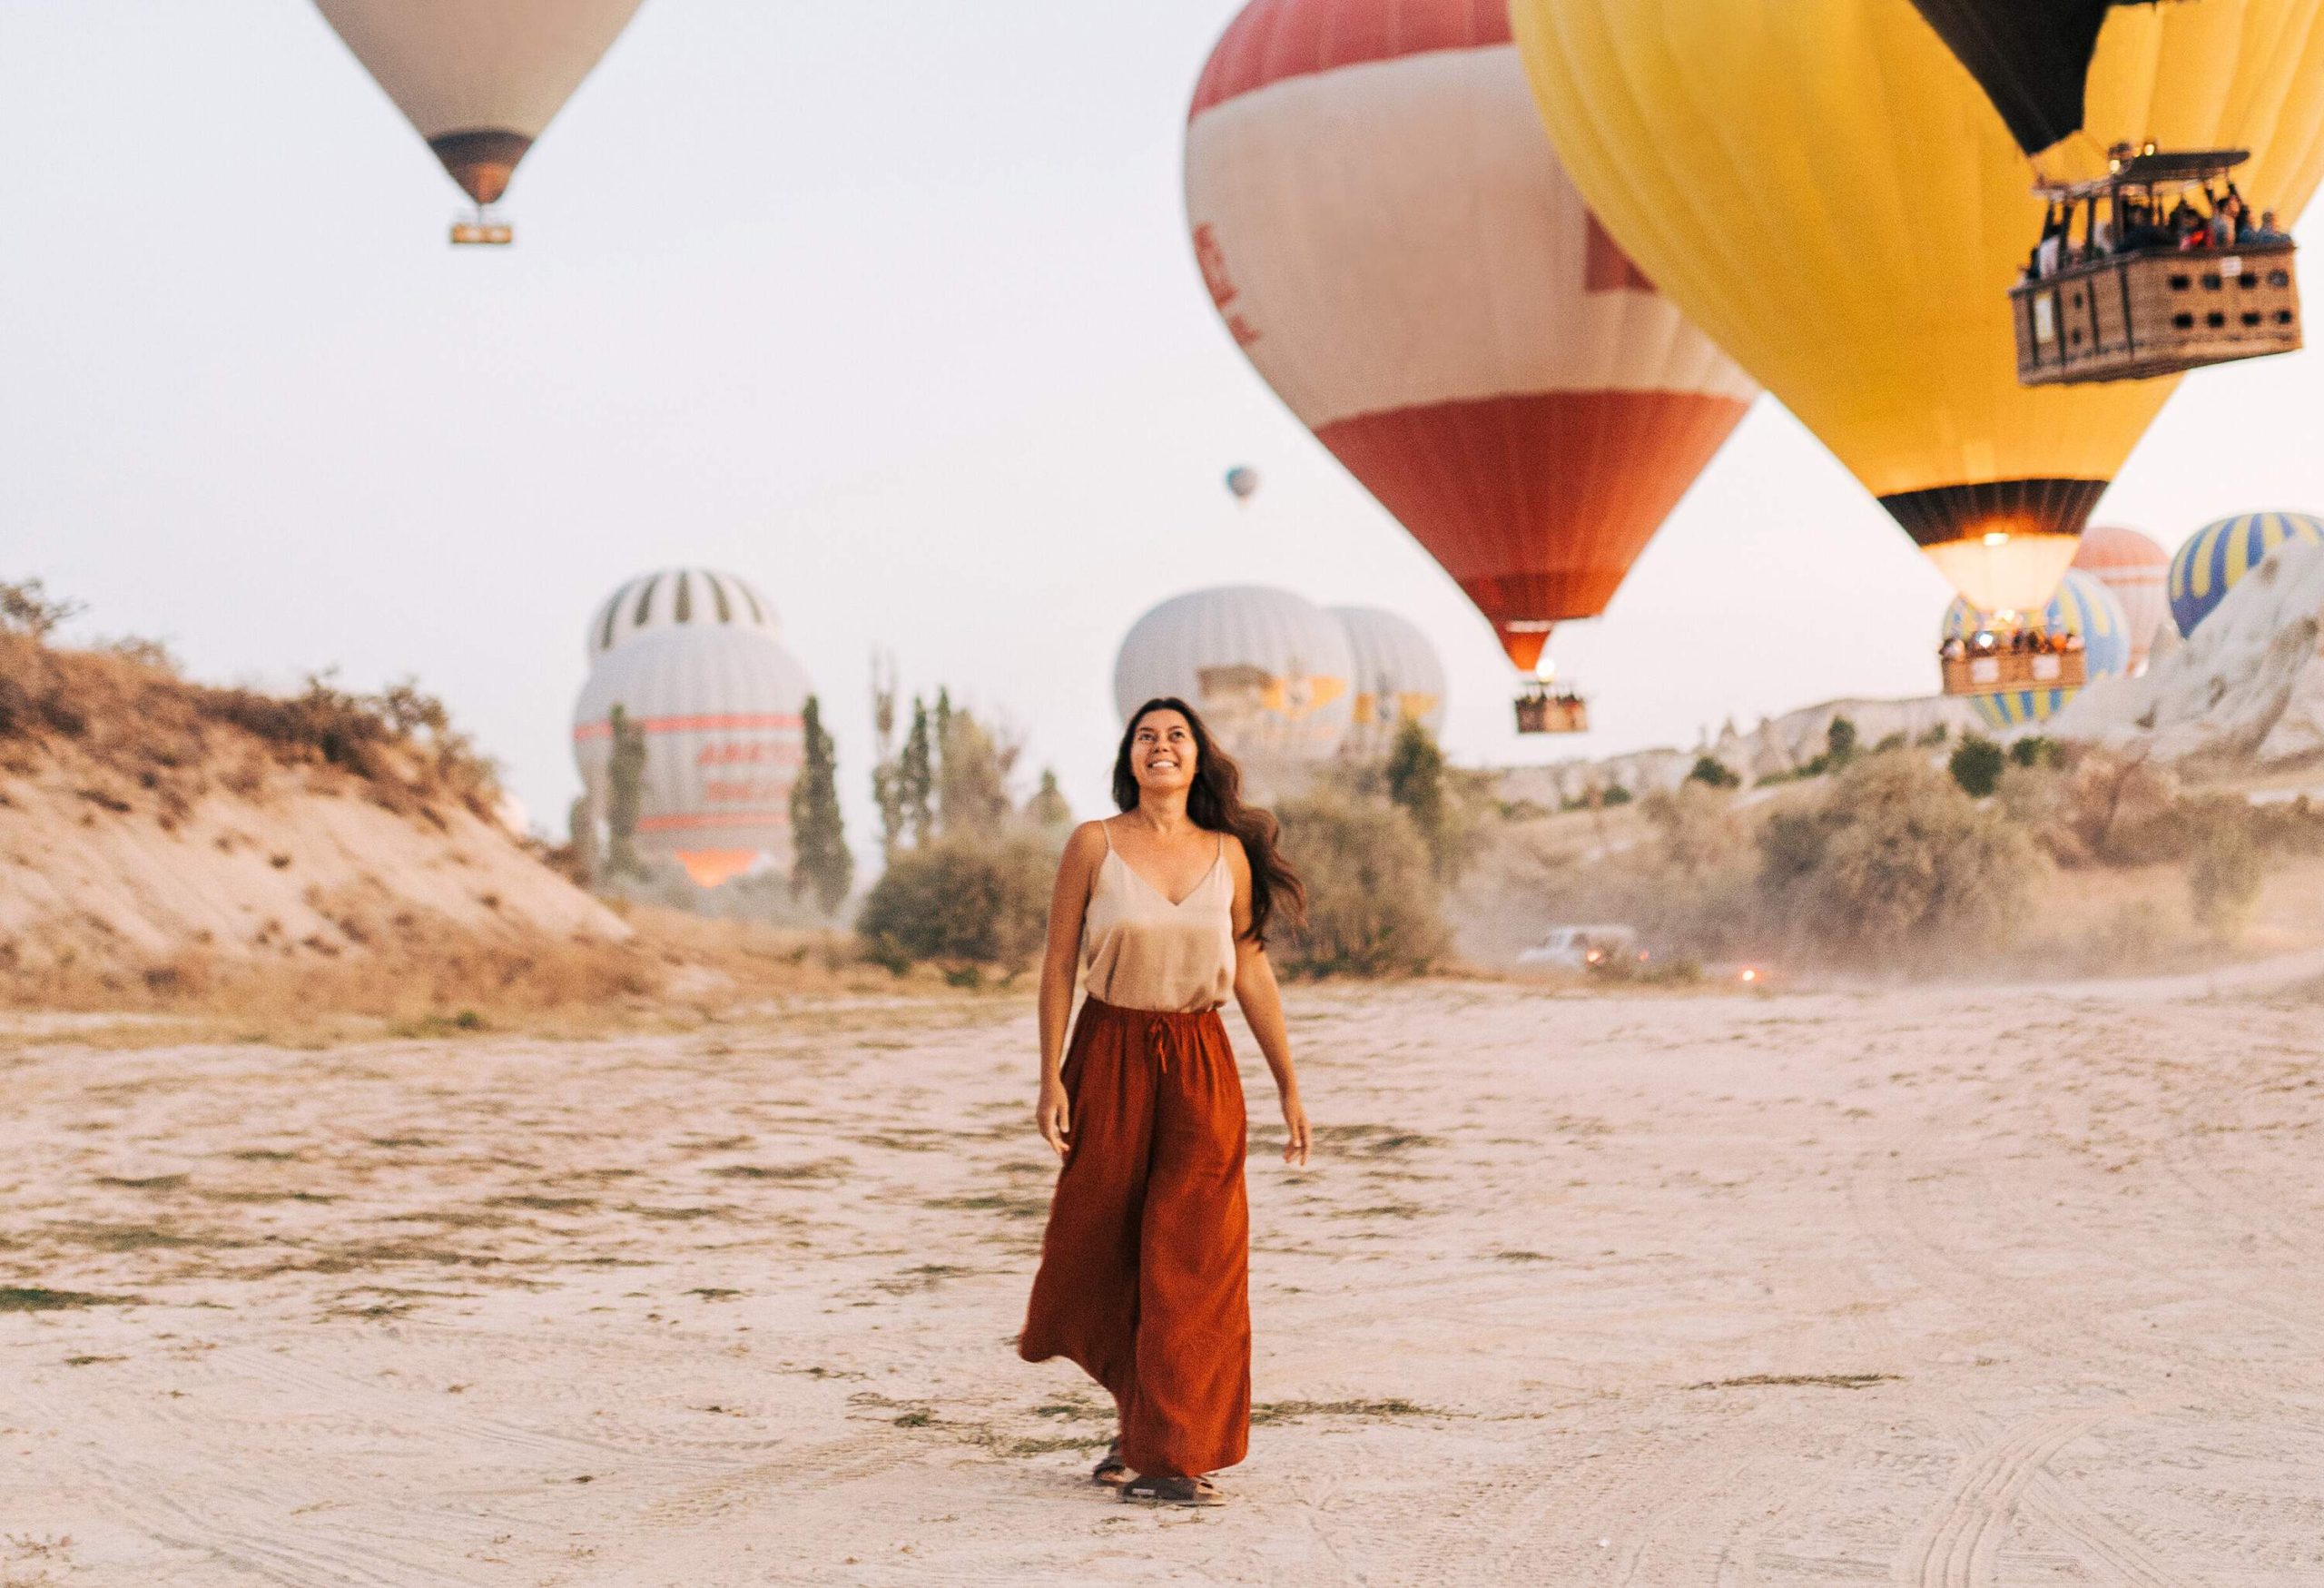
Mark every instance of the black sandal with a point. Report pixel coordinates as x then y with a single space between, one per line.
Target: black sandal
1162 1489
1112 1471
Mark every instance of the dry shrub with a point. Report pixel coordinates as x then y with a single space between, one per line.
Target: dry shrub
967 902
2225 867
155 739
422 974
1897 861
1375 905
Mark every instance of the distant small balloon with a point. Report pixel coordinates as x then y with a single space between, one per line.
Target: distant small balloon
1243 482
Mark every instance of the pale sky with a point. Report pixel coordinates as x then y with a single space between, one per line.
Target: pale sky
889 308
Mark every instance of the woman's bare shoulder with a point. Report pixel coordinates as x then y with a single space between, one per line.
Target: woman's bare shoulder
1239 858
1087 842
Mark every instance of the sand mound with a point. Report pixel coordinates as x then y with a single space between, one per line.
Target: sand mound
152 829
2246 691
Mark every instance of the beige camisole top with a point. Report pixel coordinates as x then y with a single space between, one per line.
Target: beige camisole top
1139 951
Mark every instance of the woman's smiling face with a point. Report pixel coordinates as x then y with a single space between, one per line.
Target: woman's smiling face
1162 752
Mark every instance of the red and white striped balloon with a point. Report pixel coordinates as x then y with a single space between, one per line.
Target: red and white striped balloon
1388 234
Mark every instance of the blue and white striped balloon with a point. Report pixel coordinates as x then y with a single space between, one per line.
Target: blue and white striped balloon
2218 554
2083 605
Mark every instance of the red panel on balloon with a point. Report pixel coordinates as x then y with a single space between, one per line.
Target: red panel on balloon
1298 38
1536 505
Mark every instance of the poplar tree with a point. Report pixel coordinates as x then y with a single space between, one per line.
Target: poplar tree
1047 810
916 777
625 797
821 863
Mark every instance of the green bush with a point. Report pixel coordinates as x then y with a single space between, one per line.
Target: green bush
1976 766
1897 859
966 900
1373 902
1712 773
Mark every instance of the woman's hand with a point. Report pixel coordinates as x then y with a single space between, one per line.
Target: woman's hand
1051 1117
1294 1130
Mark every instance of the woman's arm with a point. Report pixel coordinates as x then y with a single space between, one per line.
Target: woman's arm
1262 1002
1068 902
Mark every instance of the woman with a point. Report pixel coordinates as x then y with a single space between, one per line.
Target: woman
1144 1276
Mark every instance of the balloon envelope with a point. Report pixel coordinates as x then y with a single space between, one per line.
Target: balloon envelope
480 79
2214 560
1824 187
2081 606
2135 568
721 711
675 597
1269 671
1391 240
1398 679
2030 56
1243 482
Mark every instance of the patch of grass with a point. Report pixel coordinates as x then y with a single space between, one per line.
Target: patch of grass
1364 1411
1014 1207
1374 1140
1523 1257
711 1293
906 1140
258 1199
91 1361
926 1277
1073 1411
676 1215
149 1183
263 1155
1385 1210
35 1298
123 1238
546 1204
1801 1380
466 1021
914 1419
821 1169
1000 1444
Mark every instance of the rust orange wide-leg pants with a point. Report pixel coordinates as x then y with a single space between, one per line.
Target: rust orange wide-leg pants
1145 1276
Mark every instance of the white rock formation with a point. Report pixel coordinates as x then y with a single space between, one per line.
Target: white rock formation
1777 745
2245 692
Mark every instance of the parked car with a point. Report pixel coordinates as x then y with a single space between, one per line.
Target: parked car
1578 948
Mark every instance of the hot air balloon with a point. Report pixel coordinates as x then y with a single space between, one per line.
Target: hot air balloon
2131 565
1241 482
481 79
2085 608
2215 559
721 712
1391 242
1824 187
1398 679
677 597
1270 672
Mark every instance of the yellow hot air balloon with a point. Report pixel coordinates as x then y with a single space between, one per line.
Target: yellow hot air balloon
1827 190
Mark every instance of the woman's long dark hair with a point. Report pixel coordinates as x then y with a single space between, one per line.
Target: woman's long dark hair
1215 805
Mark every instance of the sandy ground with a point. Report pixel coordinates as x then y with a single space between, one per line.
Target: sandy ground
1937 1288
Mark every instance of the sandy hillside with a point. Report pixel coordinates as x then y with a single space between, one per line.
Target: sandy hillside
153 830
1930 1288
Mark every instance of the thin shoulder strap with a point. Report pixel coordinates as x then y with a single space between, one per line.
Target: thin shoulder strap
1221 845
1106 826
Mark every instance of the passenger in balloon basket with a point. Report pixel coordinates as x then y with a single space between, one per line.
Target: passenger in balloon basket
1144 1278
